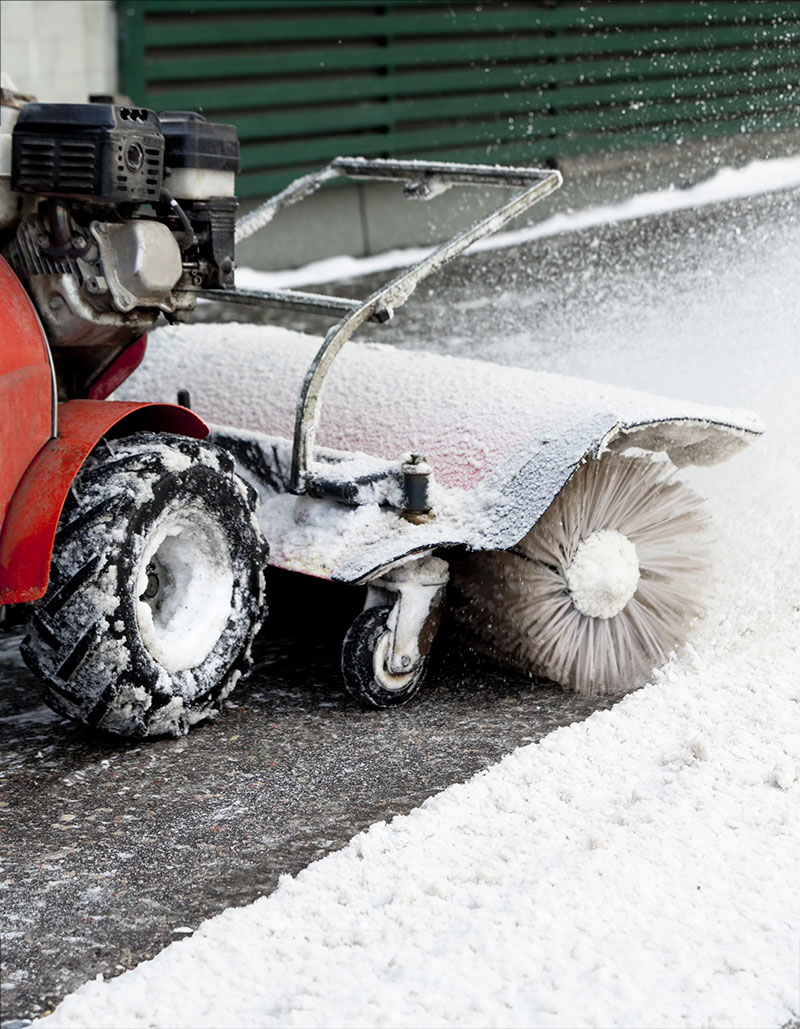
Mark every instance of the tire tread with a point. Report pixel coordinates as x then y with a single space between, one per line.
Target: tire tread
69 648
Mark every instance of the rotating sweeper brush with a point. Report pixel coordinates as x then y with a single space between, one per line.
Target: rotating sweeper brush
603 587
541 510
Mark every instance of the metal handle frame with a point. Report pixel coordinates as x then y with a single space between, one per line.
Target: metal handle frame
423 179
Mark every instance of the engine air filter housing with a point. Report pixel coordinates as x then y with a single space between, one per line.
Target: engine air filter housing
102 152
201 157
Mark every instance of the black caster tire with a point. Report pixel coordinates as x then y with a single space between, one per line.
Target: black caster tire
364 654
157 588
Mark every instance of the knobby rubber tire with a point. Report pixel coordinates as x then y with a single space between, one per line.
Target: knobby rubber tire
358 663
88 641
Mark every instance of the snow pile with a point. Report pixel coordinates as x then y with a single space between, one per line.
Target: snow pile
640 868
757 177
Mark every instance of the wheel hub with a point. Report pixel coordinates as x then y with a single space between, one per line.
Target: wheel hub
603 574
184 588
389 680
153 584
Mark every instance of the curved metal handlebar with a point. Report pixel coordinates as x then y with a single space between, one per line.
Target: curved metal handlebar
424 179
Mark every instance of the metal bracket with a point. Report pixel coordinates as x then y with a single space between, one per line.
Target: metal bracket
417 589
309 303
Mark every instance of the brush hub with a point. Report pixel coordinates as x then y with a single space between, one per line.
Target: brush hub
603 574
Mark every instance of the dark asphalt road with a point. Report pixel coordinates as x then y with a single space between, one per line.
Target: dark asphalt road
109 850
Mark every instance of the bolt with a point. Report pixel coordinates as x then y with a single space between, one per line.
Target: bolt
42 239
79 242
416 484
405 661
56 302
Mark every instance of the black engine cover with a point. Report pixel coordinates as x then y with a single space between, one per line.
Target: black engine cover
193 142
99 152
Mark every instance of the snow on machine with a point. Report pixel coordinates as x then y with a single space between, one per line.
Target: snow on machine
541 509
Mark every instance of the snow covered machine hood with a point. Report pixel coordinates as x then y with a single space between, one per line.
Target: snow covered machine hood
502 441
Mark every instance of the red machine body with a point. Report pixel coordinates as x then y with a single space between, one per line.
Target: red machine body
26 385
44 443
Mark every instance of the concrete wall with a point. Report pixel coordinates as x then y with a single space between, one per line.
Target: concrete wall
59 49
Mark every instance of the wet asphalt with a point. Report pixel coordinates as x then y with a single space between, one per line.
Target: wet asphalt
109 850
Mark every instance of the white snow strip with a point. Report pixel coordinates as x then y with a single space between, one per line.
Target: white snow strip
760 176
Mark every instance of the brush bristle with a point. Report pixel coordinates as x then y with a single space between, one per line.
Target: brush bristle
517 607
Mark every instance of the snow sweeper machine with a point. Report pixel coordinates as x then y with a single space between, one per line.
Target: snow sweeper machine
541 511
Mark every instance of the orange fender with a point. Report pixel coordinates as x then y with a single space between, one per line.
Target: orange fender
29 528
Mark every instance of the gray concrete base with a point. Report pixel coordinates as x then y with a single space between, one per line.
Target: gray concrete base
360 219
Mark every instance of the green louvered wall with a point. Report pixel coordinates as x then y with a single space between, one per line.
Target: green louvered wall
499 81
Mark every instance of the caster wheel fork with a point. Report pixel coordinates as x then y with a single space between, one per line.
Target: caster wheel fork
385 651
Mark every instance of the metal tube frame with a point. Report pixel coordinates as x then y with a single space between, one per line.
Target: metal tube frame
424 179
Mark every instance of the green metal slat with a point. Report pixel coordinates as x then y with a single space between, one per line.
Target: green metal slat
623 15
272 94
271 30
303 122
448 20
463 80
408 55
296 122
214 6
257 183
768 120
587 121
714 84
133 80
321 149
552 127
540 151
616 13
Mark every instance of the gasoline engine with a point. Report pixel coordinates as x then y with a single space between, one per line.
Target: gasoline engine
112 216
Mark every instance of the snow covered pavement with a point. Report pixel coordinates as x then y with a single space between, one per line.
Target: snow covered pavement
639 868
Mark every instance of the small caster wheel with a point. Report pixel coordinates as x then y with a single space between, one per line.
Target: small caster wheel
365 654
